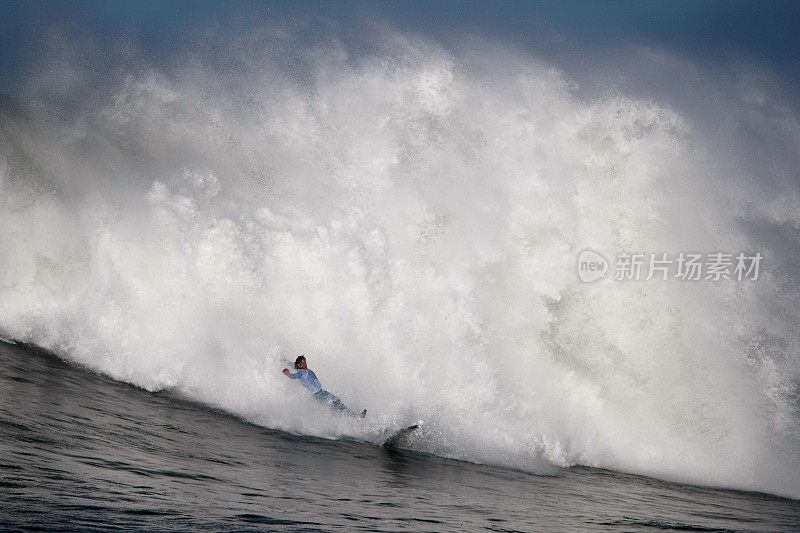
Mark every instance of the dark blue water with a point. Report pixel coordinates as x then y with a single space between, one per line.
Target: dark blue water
80 451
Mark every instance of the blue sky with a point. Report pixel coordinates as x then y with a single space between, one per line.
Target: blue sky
576 32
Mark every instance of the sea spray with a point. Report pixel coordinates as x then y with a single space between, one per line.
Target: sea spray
410 219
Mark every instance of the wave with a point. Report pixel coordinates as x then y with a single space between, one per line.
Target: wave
410 218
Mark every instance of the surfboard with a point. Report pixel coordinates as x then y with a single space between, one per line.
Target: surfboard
396 437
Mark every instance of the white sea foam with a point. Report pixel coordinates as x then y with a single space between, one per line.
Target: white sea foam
411 221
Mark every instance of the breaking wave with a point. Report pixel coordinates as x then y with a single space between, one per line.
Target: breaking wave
410 218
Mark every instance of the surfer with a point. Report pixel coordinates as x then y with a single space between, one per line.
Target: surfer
309 380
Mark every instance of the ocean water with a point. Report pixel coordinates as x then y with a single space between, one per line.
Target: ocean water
409 213
81 451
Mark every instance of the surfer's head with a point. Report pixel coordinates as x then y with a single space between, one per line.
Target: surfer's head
300 362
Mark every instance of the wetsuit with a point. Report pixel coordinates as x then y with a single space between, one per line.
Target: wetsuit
309 380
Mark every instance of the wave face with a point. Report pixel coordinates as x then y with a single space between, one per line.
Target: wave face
410 218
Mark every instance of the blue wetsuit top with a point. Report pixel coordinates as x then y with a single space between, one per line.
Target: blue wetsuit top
308 379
